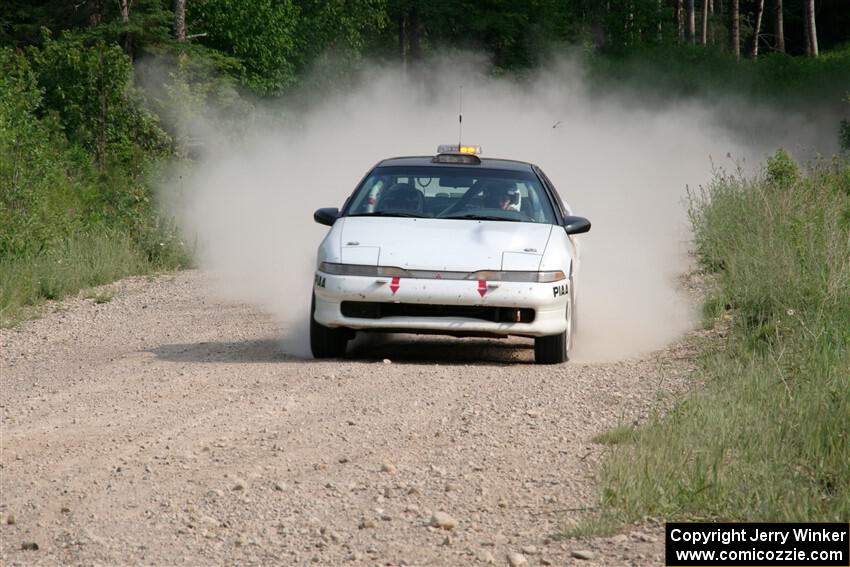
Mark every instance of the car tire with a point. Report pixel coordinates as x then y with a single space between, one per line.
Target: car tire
555 349
326 342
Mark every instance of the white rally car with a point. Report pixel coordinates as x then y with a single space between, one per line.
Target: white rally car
449 244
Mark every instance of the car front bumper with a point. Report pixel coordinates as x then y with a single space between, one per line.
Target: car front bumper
548 300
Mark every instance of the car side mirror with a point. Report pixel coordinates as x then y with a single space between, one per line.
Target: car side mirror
576 225
326 216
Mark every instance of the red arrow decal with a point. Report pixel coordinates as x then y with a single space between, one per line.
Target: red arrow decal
482 287
394 285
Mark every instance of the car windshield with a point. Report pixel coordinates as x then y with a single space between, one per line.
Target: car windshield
469 193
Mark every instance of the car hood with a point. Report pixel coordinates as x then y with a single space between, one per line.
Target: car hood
443 244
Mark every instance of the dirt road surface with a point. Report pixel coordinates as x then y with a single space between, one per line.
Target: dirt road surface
164 427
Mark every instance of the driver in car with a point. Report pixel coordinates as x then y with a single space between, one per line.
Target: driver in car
500 195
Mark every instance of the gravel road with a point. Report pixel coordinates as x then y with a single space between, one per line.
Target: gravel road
166 427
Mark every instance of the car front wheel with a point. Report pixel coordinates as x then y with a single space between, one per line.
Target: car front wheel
555 349
326 342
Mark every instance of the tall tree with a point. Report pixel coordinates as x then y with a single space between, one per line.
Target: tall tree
95 13
811 29
127 40
735 28
180 20
402 41
780 27
692 28
660 26
712 9
680 21
415 35
757 29
704 34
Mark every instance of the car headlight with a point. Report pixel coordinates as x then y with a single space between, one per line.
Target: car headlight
394 272
511 276
362 270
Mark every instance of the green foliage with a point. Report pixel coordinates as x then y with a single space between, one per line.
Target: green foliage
39 201
768 439
344 27
22 22
260 34
666 72
781 170
78 145
89 88
148 28
332 38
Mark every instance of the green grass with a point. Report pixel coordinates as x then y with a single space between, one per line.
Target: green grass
620 435
768 437
89 259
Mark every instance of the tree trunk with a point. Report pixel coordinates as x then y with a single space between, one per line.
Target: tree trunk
712 9
757 29
660 27
402 41
704 38
415 49
692 27
780 28
180 20
96 14
811 30
127 41
735 29
680 21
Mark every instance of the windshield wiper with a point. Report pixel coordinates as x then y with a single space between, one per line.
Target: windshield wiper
473 216
387 214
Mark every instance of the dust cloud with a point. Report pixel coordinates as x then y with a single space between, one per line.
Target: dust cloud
248 202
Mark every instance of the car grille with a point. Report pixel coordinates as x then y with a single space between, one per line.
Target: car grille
376 310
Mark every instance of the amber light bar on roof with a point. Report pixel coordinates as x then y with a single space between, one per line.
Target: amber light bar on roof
456 149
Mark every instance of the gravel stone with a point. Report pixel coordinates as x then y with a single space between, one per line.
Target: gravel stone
443 521
583 554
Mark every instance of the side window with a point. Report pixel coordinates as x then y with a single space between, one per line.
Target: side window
367 198
560 204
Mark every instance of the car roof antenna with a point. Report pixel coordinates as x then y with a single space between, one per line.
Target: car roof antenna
460 119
